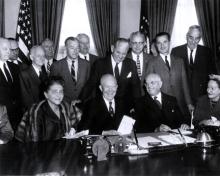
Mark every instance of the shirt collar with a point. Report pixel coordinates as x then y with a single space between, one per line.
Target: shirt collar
107 103
159 97
37 70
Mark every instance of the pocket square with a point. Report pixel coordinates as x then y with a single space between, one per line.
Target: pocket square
129 75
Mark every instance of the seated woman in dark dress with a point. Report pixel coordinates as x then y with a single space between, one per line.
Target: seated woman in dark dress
207 111
51 118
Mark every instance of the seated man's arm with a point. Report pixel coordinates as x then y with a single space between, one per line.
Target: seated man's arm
6 131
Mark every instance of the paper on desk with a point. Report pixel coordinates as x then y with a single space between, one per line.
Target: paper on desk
126 125
77 135
184 132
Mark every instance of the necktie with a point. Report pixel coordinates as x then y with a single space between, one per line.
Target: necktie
191 58
167 63
73 71
41 76
85 58
111 111
48 66
8 76
116 72
138 66
157 102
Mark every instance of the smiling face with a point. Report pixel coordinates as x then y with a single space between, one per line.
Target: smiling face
4 49
163 44
213 90
153 84
38 56
193 37
48 48
119 51
84 44
108 87
72 49
54 94
137 43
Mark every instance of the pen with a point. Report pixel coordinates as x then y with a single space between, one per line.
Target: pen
135 137
181 135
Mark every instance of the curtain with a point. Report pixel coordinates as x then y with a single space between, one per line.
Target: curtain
104 18
208 13
2 18
160 15
46 20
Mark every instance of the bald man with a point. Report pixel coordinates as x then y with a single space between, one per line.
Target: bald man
157 111
103 112
84 47
32 78
9 85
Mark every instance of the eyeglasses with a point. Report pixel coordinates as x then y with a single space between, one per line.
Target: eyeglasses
137 43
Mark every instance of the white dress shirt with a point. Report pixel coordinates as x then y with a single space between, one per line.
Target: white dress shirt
36 69
193 53
2 68
159 97
134 57
83 56
114 64
69 61
107 103
168 58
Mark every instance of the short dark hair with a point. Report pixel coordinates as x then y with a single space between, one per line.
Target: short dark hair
51 80
72 39
216 80
162 34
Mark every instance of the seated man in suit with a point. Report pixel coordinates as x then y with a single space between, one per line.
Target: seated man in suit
74 70
157 111
48 46
124 70
32 78
103 112
6 131
84 47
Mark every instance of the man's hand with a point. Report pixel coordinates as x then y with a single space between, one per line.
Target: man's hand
162 128
184 127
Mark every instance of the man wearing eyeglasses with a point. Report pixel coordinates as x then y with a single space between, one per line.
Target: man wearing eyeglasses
137 43
198 60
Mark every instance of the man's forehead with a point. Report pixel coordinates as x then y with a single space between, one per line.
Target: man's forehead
194 32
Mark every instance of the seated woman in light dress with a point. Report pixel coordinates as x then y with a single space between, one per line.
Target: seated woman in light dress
207 111
51 118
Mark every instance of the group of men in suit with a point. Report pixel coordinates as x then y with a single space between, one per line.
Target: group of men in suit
129 79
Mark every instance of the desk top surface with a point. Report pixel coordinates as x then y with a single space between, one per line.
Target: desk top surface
65 156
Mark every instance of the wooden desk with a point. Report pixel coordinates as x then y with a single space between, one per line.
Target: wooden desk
65 156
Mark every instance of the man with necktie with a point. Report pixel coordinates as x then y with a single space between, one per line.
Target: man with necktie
137 44
32 78
103 112
74 70
172 72
9 85
48 46
157 111
198 60
124 70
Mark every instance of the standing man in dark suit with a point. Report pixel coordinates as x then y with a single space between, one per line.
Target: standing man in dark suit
198 62
172 72
157 111
137 43
74 70
124 70
48 46
84 47
32 78
9 85
104 112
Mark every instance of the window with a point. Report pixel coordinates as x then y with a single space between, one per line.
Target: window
75 21
185 17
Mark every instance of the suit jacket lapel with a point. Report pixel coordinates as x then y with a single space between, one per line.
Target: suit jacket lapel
33 74
109 66
79 71
163 64
67 71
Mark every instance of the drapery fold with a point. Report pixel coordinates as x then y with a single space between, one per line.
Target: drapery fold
104 18
208 14
2 18
160 15
46 20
